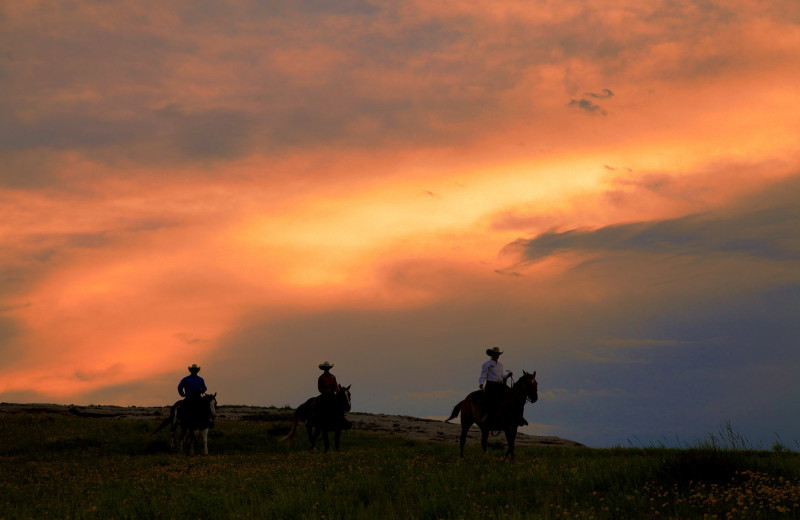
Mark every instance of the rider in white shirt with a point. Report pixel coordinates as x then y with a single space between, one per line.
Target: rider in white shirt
493 381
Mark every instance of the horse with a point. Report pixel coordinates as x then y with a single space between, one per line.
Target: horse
321 420
187 418
507 417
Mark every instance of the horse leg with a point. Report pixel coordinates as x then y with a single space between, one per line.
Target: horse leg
177 439
467 419
312 435
180 440
204 435
326 440
511 435
173 430
463 439
484 439
192 441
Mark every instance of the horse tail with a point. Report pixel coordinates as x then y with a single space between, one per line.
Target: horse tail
304 410
161 426
171 419
300 414
456 411
289 436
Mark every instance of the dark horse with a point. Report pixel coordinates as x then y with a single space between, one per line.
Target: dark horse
191 417
508 413
322 417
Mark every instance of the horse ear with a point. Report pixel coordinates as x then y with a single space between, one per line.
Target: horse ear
348 387
525 373
534 374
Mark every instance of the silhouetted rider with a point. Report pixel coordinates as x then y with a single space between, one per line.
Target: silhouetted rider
328 388
192 387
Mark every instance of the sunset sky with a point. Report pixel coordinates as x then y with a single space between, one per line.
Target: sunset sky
607 191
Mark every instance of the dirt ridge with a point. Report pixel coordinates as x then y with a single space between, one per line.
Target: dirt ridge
415 428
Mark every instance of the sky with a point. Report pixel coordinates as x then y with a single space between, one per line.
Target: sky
606 191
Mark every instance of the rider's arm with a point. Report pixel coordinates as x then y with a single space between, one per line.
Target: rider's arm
484 374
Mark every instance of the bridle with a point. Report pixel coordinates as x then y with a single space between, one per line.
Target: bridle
211 403
535 385
532 383
347 400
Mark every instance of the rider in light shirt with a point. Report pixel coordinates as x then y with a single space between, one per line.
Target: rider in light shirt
493 378
493 382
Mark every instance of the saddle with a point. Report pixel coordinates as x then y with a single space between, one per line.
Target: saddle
192 409
489 409
325 409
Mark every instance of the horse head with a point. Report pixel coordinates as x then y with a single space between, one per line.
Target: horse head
531 386
344 392
211 402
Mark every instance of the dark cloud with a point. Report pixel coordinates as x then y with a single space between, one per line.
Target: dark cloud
216 13
503 272
171 134
604 94
208 134
772 234
70 131
657 183
189 339
399 76
587 106
122 69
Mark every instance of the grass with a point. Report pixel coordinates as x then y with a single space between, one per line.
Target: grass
54 466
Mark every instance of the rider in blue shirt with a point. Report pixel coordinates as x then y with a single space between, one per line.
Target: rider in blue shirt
192 386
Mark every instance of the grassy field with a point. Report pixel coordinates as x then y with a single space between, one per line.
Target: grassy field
56 466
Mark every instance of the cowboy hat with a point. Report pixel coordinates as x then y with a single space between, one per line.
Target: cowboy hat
325 364
194 368
492 351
